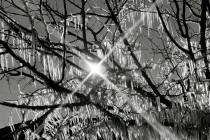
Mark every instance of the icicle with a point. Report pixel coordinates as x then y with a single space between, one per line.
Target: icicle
184 70
139 55
70 71
120 14
33 56
140 29
2 62
19 89
24 52
58 71
68 22
125 85
100 53
191 67
3 35
6 61
158 103
35 83
132 85
11 124
19 46
50 66
75 22
44 63
21 72
38 56
29 57
133 18
143 17
13 63
206 88
149 21
54 73
172 31
124 61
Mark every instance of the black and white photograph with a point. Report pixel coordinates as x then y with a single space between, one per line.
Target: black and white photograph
104 69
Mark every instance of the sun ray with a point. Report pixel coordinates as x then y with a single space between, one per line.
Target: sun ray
139 22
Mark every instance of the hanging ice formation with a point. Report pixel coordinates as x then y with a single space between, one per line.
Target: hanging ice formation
76 60
191 66
100 53
138 54
77 20
45 64
52 65
184 69
2 30
2 62
2 50
49 65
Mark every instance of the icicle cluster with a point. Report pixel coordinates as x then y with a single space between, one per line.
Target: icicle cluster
77 20
2 50
53 65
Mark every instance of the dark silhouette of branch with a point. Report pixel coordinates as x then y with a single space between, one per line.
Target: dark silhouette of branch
203 37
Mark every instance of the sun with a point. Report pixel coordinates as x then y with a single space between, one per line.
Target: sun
95 68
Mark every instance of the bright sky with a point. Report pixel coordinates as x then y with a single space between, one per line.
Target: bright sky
5 94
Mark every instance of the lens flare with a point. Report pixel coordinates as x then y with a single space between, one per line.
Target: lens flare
94 68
